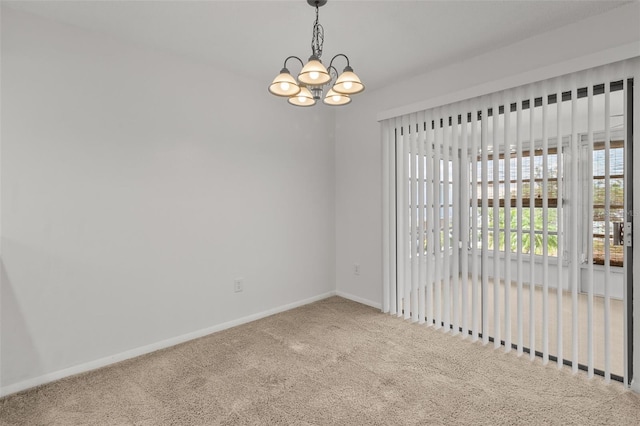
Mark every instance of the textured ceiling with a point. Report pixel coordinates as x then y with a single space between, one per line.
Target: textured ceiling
383 39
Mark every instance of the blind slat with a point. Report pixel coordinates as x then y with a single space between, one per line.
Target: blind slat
560 227
532 286
406 217
446 187
475 302
386 261
485 226
438 137
519 213
421 216
545 227
464 225
429 140
496 226
400 234
456 184
507 231
392 217
589 222
412 311
607 228
575 211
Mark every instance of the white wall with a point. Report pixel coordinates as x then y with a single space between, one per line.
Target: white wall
135 187
597 40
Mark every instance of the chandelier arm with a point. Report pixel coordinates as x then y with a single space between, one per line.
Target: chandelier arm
339 54
292 57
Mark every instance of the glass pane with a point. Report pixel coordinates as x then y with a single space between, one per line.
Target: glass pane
616 191
616 252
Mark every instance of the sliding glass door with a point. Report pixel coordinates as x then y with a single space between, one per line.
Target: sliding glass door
506 219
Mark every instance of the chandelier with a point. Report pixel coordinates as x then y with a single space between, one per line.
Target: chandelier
312 79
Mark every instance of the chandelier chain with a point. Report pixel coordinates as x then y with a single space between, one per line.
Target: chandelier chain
317 39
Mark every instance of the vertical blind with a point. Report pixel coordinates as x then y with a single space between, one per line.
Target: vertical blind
484 197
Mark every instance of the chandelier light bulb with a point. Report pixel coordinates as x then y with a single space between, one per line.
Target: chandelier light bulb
348 82
314 73
334 98
303 99
284 84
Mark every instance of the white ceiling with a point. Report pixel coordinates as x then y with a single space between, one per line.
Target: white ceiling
383 39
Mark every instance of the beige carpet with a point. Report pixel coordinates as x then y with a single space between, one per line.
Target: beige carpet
332 362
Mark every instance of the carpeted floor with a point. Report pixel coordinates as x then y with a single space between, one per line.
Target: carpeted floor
331 362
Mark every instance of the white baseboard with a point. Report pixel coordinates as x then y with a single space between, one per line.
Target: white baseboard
359 299
112 359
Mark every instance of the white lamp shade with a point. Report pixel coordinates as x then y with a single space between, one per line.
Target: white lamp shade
304 98
334 98
314 73
348 83
284 85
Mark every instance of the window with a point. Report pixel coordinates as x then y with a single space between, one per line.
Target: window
527 200
616 194
593 179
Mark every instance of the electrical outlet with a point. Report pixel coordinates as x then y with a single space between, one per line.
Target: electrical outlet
238 285
356 268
